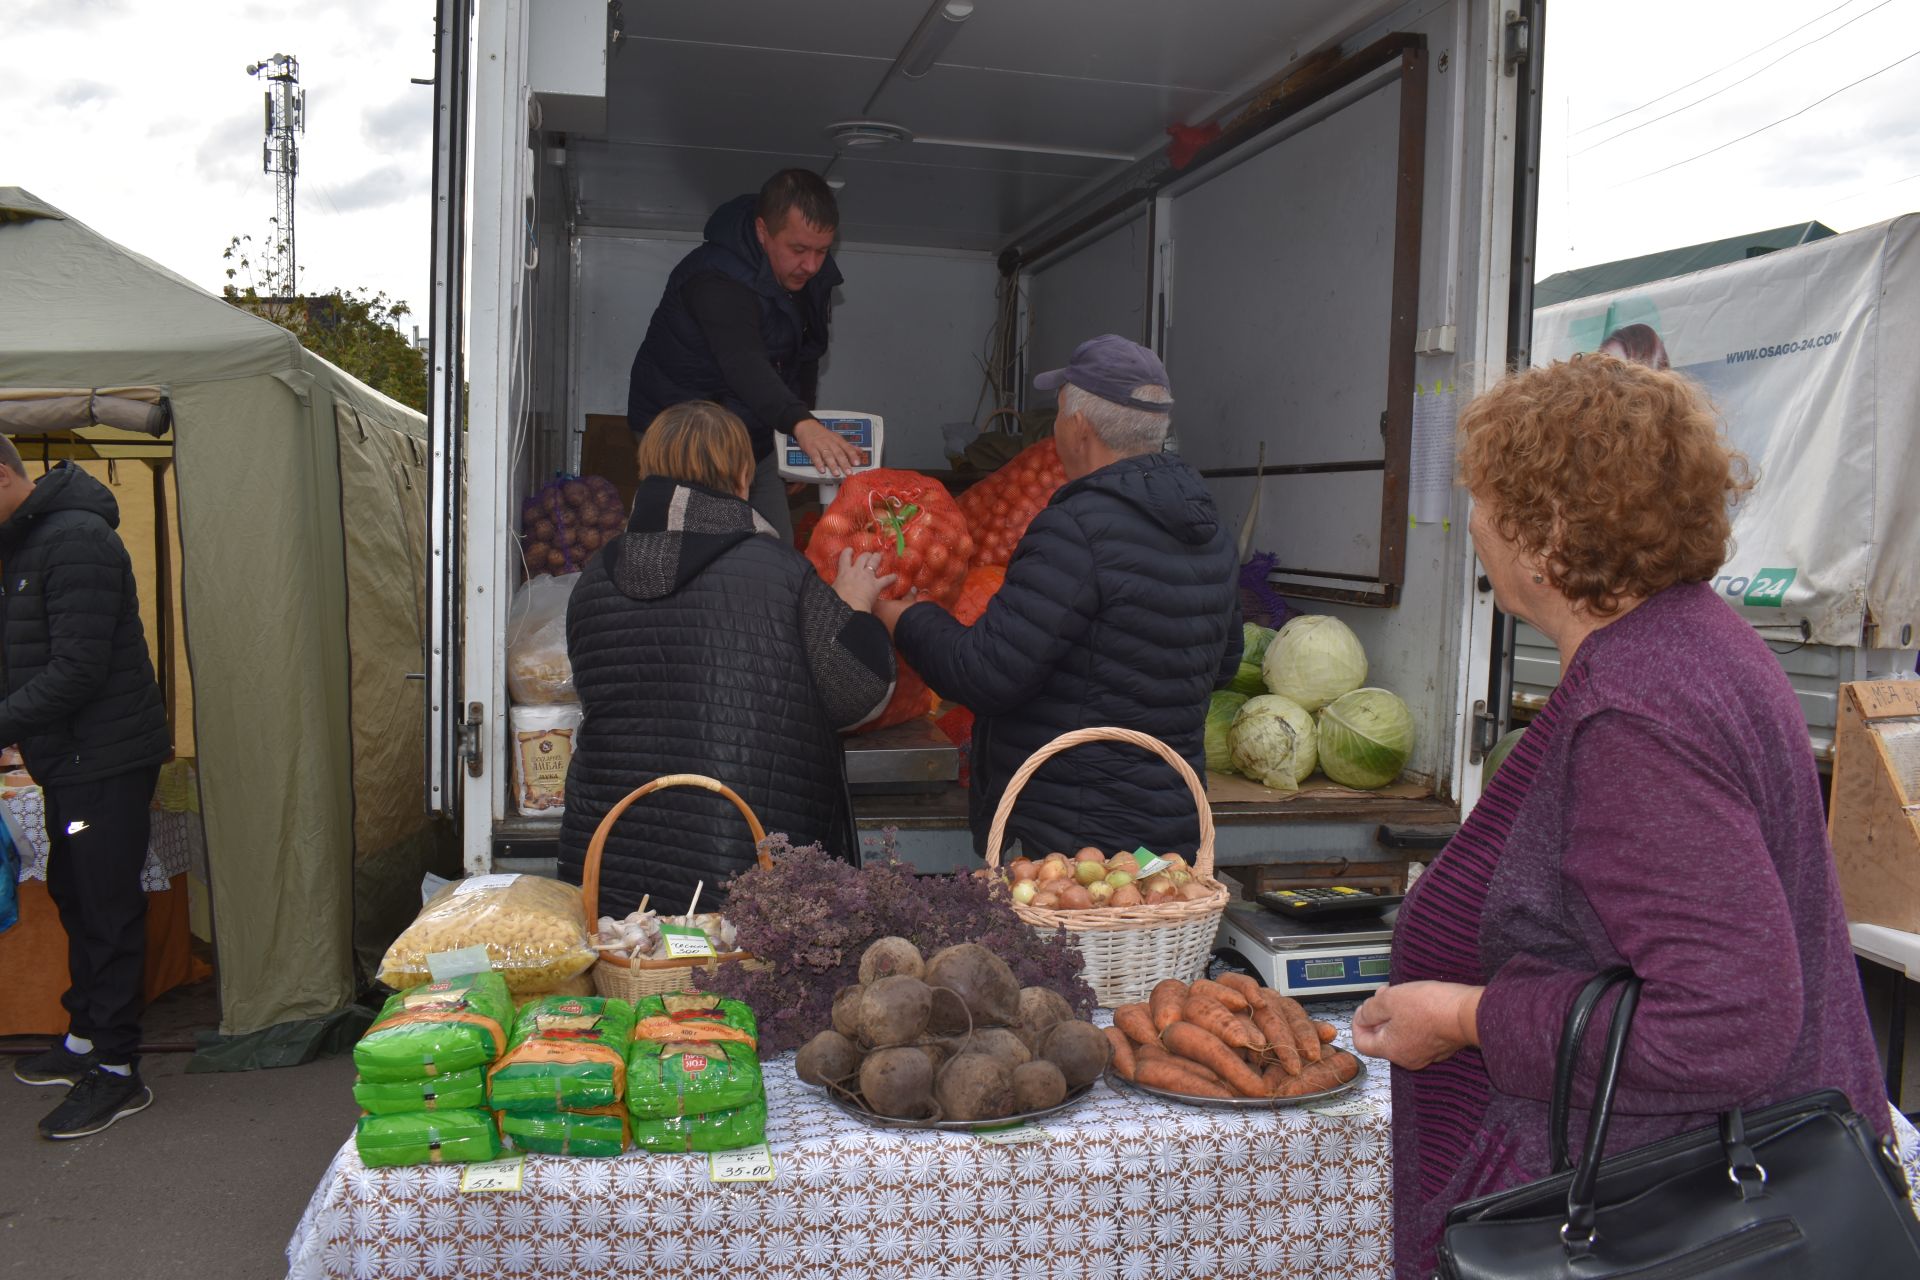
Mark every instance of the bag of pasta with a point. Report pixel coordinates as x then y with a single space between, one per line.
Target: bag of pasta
599 1132
426 1137
568 1053
532 927
715 1131
437 1029
695 1017
690 1079
460 1091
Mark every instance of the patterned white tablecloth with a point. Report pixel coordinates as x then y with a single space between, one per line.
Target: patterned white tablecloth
177 844
1127 1188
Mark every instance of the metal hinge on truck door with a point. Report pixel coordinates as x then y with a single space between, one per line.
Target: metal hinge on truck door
1518 44
470 749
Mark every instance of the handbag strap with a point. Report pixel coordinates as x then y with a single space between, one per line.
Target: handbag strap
1577 1232
1572 1032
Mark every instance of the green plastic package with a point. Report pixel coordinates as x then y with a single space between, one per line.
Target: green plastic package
565 1133
690 1079
427 1137
568 1053
461 1091
714 1131
437 1029
693 1016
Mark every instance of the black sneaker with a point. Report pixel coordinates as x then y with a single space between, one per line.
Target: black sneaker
97 1101
58 1065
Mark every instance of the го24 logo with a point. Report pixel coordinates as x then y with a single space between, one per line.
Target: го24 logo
1768 587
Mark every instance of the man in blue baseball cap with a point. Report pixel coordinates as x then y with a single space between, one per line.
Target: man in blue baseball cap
1120 608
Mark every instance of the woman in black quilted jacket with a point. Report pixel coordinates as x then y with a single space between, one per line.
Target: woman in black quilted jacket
702 643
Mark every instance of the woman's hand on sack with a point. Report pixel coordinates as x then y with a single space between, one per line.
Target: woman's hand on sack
889 611
856 583
1416 1024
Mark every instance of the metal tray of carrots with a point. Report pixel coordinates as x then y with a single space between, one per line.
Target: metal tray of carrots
1117 1081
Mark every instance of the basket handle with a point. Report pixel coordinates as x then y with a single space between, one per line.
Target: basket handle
590 873
1202 856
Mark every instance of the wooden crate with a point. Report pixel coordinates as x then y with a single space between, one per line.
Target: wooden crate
1874 820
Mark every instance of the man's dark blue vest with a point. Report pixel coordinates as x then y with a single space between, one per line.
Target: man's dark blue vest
674 363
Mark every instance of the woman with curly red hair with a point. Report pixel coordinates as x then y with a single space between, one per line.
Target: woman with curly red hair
1663 811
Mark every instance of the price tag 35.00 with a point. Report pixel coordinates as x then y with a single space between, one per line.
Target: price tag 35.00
748 1164
494 1175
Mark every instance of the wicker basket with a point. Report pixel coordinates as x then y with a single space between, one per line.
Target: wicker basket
1129 949
626 979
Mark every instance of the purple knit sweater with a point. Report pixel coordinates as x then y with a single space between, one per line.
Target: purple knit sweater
1667 817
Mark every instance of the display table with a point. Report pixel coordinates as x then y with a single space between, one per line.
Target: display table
1125 1188
33 954
1898 952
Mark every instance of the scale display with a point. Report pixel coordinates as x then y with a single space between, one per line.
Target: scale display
1345 956
864 431
1336 971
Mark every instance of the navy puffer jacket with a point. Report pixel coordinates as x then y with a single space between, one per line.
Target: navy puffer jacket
81 699
1120 607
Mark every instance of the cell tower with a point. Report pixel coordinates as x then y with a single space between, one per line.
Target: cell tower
280 153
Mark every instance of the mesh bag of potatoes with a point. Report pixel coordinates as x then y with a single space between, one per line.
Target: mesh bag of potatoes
532 928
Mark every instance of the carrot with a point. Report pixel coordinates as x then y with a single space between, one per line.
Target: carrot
1305 1038
1122 1052
1143 1053
1168 997
1202 1010
1136 1023
1336 1068
1327 1031
1279 1036
1233 1001
1185 1040
1256 1039
1164 1074
1275 1079
1248 987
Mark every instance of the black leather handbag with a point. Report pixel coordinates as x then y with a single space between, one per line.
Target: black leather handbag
1801 1189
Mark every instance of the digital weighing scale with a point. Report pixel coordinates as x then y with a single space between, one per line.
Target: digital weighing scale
1344 956
866 432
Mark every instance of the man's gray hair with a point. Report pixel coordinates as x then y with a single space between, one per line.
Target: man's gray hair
1125 430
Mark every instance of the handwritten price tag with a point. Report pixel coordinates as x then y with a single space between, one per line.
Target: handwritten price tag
748 1164
684 941
1015 1136
494 1175
1342 1110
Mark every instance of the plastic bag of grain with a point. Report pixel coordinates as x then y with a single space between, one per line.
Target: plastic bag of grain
568 1053
690 1079
601 1131
533 929
459 1091
741 1126
542 754
427 1137
436 1029
696 1017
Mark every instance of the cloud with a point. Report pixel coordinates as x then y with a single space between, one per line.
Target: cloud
230 151
402 125
388 185
42 14
81 93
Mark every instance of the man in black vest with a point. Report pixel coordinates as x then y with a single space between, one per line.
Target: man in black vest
743 322
82 703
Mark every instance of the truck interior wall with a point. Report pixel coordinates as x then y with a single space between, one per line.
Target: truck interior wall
1100 288
1280 285
909 330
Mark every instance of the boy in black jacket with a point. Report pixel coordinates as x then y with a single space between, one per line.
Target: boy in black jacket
83 705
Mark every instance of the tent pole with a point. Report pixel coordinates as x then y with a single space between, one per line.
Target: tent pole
163 595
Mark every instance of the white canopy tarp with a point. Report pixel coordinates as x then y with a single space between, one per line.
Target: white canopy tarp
1813 356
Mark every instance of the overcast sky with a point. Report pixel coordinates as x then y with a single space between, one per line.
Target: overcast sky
140 119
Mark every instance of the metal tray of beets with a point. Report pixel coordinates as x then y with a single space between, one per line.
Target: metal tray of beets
952 1126
1117 1081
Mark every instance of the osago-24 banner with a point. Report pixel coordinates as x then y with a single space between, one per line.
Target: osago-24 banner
1813 356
